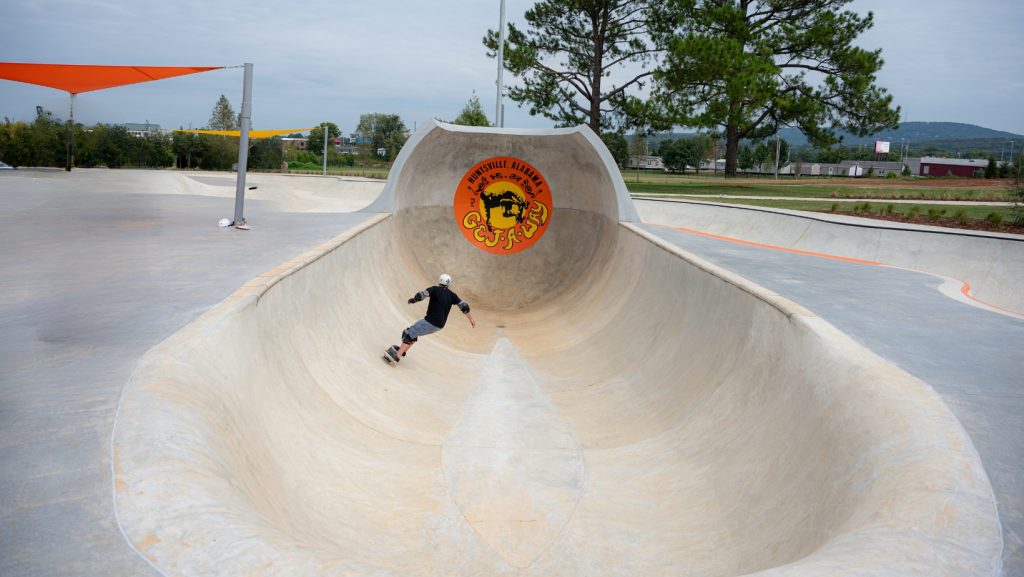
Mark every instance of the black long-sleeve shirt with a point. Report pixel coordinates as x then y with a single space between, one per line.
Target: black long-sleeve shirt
442 299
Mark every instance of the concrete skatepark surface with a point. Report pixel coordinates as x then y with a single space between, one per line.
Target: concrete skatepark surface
98 267
59 400
623 408
991 264
952 344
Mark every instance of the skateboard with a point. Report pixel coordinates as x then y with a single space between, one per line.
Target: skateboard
390 356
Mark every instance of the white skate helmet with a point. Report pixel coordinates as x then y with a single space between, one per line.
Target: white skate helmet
444 280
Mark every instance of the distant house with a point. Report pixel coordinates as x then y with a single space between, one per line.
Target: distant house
936 166
714 165
857 168
646 162
812 169
295 143
140 130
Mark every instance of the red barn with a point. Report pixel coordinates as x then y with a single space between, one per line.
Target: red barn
935 166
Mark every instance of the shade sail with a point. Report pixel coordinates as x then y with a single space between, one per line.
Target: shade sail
78 78
257 134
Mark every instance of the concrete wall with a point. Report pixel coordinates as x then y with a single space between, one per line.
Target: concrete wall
992 264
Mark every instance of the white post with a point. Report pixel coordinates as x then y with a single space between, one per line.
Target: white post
70 160
243 145
499 108
325 148
777 145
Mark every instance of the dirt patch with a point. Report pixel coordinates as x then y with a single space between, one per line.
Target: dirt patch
923 183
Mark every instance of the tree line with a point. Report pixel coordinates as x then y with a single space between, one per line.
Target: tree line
44 142
741 69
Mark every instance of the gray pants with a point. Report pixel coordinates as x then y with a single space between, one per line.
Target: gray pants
418 329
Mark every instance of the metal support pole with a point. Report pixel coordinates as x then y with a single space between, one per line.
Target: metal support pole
777 145
325 148
71 137
499 109
243 145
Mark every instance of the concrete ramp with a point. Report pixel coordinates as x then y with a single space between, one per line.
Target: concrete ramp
622 408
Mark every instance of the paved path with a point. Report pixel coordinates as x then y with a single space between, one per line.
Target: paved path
88 282
972 357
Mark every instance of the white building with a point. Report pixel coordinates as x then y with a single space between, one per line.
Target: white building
139 130
646 162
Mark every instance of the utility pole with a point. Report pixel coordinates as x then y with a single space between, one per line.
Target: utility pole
325 148
499 109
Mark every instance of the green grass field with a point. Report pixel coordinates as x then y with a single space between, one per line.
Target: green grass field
364 172
878 189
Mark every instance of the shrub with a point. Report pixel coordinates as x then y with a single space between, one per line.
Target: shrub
961 216
834 207
914 211
935 213
889 209
992 169
994 218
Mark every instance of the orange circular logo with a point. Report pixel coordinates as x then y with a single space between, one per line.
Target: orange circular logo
503 205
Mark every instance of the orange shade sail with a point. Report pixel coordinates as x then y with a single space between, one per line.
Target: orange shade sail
78 78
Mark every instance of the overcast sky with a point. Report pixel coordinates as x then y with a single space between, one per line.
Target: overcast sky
945 60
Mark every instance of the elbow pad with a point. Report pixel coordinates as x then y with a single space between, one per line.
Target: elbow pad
419 296
464 307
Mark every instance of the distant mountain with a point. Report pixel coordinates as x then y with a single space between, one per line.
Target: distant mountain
923 137
917 133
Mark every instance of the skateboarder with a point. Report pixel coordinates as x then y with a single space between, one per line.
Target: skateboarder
442 299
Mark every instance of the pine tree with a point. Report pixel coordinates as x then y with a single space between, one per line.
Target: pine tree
569 49
473 114
223 117
749 66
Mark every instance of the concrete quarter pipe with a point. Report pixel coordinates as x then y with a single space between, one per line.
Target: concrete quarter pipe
622 408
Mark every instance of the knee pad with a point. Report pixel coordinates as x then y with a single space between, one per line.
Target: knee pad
406 339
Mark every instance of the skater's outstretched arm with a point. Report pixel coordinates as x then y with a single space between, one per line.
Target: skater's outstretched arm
464 307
